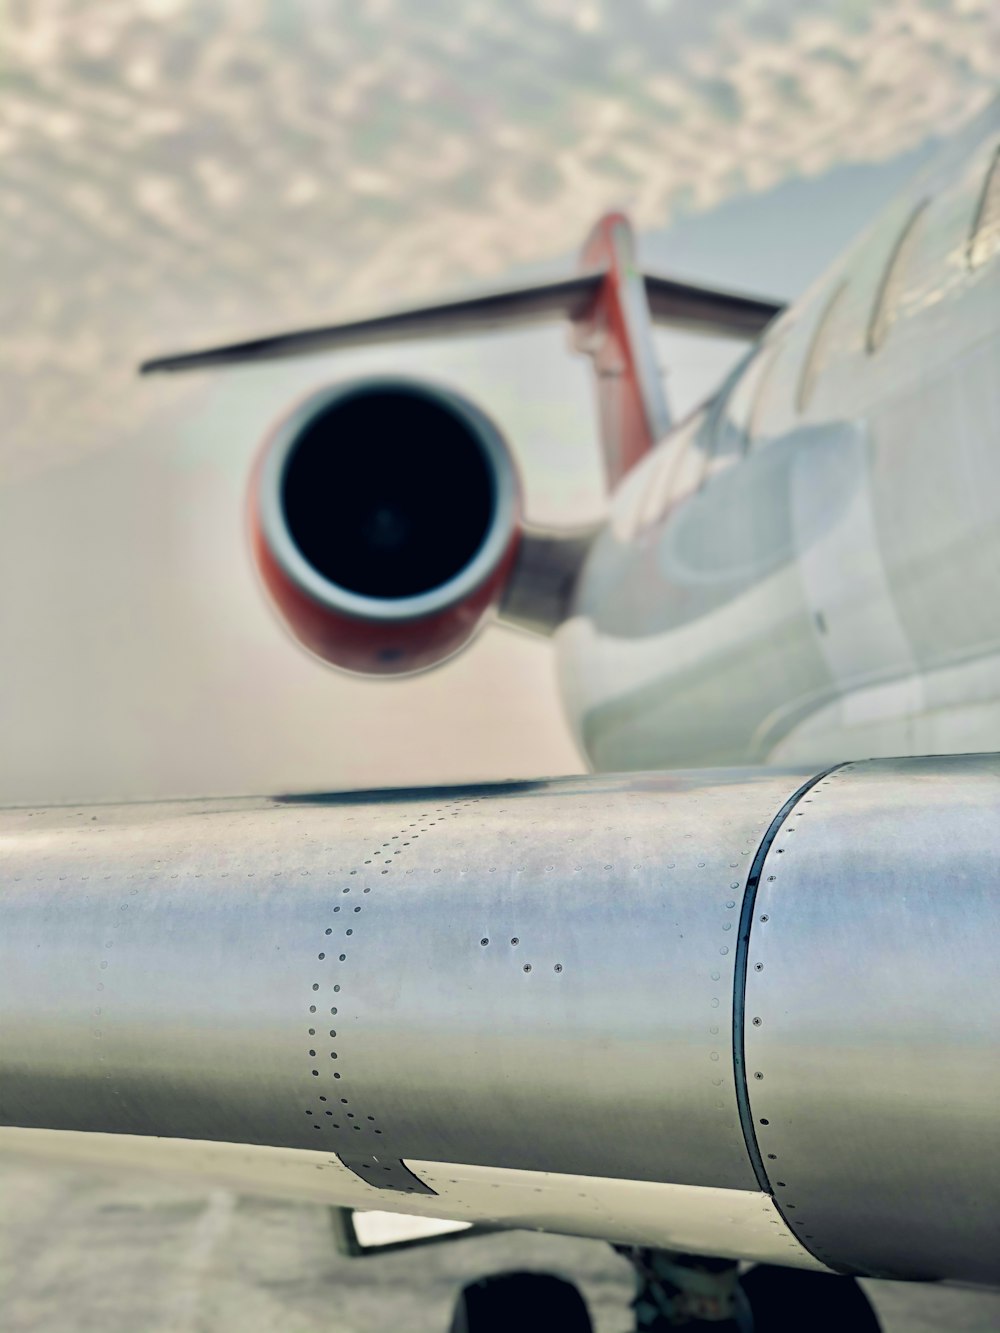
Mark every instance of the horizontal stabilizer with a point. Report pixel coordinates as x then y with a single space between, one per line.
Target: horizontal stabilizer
683 305
707 310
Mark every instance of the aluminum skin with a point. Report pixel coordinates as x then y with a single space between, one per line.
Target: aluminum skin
542 978
872 1014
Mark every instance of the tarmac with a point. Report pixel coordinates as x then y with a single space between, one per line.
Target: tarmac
86 1252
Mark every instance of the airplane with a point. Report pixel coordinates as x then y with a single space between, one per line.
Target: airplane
728 999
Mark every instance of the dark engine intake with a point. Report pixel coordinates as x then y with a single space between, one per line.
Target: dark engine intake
385 517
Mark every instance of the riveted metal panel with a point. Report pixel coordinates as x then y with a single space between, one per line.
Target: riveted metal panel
536 976
738 1224
872 1032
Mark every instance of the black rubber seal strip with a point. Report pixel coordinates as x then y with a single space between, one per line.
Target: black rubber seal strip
740 977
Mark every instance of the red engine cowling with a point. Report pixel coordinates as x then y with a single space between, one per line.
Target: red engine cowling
385 516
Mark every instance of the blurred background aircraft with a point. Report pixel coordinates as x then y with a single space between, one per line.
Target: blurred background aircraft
183 172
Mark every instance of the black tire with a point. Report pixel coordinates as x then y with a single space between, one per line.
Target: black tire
520 1303
789 1300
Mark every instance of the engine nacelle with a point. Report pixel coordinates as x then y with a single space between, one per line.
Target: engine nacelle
385 517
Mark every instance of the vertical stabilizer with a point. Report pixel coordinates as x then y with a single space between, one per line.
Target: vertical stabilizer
617 334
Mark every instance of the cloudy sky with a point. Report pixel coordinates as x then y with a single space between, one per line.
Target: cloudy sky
189 169
178 171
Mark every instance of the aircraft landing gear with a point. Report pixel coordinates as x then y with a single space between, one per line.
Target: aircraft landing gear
674 1291
526 1302
694 1292
787 1299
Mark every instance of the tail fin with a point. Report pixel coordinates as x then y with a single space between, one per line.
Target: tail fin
617 334
611 305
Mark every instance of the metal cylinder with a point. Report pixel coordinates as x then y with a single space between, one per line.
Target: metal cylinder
872 1032
541 977
537 975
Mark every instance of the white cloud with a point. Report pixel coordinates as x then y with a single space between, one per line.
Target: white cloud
221 168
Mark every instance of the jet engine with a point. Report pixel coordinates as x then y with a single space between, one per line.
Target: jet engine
385 519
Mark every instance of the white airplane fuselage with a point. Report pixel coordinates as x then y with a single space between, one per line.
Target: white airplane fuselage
806 569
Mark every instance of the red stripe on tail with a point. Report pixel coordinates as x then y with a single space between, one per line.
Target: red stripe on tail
617 334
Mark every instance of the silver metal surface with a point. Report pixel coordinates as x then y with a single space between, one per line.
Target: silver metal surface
548 979
872 1021
534 976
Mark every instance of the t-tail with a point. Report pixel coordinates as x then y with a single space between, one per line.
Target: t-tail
611 304
385 515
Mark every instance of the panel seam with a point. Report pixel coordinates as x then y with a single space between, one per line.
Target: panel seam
740 976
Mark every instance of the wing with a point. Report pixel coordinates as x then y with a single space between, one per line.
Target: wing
684 305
